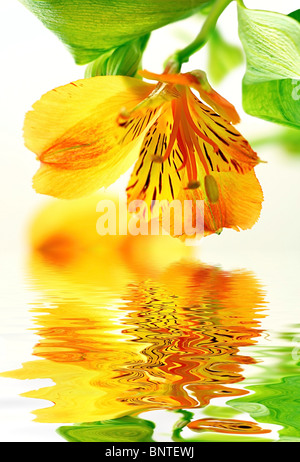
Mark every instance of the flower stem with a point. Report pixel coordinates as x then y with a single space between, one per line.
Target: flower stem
182 56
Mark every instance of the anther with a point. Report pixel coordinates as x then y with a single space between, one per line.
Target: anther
193 184
211 189
123 116
157 159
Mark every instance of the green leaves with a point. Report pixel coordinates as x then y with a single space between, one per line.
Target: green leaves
287 139
295 14
271 85
223 57
124 60
124 429
90 27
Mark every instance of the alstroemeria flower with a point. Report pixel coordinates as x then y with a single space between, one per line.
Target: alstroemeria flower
87 133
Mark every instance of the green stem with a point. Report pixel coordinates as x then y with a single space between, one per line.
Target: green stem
182 56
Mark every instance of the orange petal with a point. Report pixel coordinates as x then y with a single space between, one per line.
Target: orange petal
233 151
176 79
238 205
199 82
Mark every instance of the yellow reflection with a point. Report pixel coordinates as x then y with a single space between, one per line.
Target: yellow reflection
65 234
123 334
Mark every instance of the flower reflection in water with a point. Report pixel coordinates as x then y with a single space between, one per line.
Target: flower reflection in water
143 340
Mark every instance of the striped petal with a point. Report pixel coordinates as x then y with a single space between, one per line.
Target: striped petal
156 174
227 150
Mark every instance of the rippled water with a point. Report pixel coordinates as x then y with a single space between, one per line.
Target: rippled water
177 355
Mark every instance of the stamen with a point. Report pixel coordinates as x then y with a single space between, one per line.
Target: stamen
200 153
191 157
159 89
124 113
194 127
176 116
183 151
193 184
211 189
186 158
157 159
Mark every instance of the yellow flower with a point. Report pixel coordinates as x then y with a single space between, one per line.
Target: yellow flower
87 133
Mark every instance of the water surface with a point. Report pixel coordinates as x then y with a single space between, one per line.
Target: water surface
139 355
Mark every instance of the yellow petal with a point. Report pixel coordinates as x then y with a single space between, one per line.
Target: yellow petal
64 183
88 104
73 130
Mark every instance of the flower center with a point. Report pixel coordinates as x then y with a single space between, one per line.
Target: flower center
187 134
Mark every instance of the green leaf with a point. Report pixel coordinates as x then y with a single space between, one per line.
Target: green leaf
275 396
287 139
124 60
223 57
124 429
90 27
271 85
290 140
275 100
295 15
